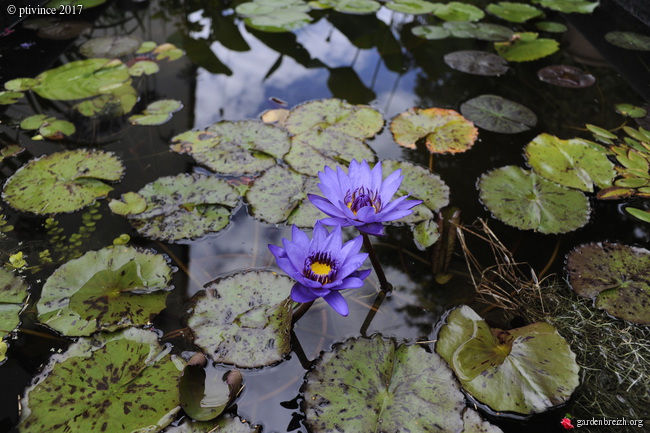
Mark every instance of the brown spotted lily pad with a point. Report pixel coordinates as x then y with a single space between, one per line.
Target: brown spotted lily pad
616 275
566 76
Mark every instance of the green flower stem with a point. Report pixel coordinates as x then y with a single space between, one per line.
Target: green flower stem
384 285
371 313
300 311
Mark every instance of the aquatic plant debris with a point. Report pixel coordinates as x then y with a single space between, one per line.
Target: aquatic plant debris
616 275
105 290
524 370
105 380
63 181
244 319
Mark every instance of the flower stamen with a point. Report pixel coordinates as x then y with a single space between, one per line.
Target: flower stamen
320 267
362 197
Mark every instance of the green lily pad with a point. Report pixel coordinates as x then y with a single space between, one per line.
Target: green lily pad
551 27
143 67
498 114
457 11
274 16
223 424
514 12
481 31
157 113
63 181
110 46
575 163
146 47
359 121
413 7
13 294
527 201
280 195
81 79
168 52
105 290
632 111
616 275
445 131
526 47
20 84
431 33
105 382
185 207
357 7
641 214
10 97
524 370
132 203
629 40
234 148
569 6
244 319
370 385
116 102
477 63
48 127
10 150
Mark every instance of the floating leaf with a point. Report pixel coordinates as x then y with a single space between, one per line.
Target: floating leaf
524 370
116 102
10 150
616 275
566 76
244 319
63 181
527 201
48 127
614 193
569 6
81 79
514 12
280 195
110 46
551 27
143 67
457 11
105 290
629 40
234 148
8 97
526 47
498 114
414 7
13 294
168 52
185 207
365 383
63 30
274 16
20 84
431 33
157 113
146 47
575 163
632 111
104 382
445 131
132 203
481 31
477 62
641 214
425 234
224 424
357 7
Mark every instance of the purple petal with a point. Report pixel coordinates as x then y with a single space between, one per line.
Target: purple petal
377 176
362 274
325 206
296 253
338 303
277 251
351 247
390 186
320 238
288 267
300 293
376 229
344 181
350 283
366 214
343 222
352 264
333 241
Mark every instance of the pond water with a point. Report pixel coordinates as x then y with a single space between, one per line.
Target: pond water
232 72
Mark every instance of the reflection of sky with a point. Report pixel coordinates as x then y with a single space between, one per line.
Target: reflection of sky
245 94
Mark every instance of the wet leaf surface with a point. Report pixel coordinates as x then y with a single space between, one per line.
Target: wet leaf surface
617 275
110 46
527 201
414 7
457 11
526 47
575 163
185 207
104 382
444 131
566 76
524 370
273 16
497 114
13 294
223 424
244 319
477 62
481 31
569 6
514 12
63 181
105 290
629 40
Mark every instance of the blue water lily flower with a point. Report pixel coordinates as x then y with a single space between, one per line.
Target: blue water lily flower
321 266
361 197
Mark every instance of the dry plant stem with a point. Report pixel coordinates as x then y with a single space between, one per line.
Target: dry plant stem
384 285
300 311
371 313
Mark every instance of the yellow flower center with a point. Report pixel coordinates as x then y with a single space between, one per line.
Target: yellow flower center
319 268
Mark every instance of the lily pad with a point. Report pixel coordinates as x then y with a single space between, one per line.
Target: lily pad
9 97
641 214
223 424
632 111
143 67
104 382
498 114
616 275
527 201
105 290
234 148
157 113
629 40
431 33
63 181
370 385
525 47
524 370
244 319
357 7
280 195
477 62
444 131
413 7
185 207
81 79
48 127
116 102
274 16
110 46
20 84
481 31
566 76
457 11
575 163
551 27
514 12
13 294
569 6
63 30
132 203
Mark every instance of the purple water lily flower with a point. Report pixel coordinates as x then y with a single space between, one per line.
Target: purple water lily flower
321 266
361 197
